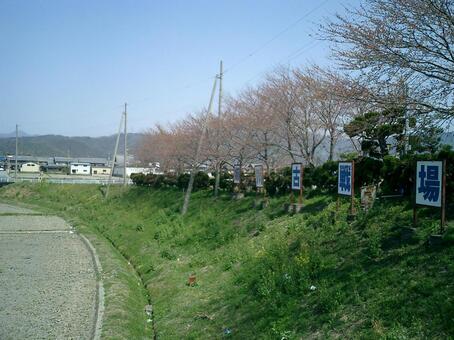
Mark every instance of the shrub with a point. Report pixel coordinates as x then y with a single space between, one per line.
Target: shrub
225 181
278 183
324 176
201 181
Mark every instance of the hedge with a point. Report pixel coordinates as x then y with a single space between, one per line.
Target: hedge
394 175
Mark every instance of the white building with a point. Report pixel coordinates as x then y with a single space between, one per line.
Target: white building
29 167
80 169
119 171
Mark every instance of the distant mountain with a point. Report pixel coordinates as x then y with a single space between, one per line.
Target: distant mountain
13 134
56 145
447 138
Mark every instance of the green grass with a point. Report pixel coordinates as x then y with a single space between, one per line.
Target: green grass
255 268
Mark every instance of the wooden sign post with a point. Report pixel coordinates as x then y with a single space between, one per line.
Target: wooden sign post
237 194
346 183
258 179
430 188
297 184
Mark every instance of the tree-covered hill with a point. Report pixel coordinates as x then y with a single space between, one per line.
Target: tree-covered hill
56 145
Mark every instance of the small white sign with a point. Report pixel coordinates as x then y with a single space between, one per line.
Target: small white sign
296 176
236 174
344 178
429 183
259 176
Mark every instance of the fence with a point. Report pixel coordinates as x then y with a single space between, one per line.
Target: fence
6 180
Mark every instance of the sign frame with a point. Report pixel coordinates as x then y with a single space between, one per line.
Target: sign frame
352 186
442 198
420 201
300 173
300 187
352 181
258 170
236 174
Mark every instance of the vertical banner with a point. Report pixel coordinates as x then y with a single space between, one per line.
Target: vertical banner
297 178
429 178
237 174
259 176
344 178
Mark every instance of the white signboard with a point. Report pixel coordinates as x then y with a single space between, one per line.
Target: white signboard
259 176
344 178
236 174
297 176
429 183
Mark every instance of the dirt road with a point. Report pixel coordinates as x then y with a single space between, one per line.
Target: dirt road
48 279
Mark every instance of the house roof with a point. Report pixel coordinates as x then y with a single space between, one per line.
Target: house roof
30 159
64 159
93 160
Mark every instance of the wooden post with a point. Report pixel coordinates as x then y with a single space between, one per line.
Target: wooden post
300 200
415 213
443 197
352 204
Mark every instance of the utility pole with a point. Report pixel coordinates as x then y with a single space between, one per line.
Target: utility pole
199 148
115 156
218 160
125 150
15 161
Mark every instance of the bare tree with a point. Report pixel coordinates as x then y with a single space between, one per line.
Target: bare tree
279 92
389 41
309 130
260 120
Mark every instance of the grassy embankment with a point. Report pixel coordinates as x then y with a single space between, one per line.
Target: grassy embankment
255 268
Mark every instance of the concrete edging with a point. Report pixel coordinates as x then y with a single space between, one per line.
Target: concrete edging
99 311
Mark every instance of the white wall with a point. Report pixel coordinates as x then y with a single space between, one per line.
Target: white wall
29 167
80 169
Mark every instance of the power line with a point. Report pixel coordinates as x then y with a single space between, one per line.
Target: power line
266 43
295 54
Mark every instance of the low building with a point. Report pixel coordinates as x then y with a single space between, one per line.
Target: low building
29 167
100 170
80 169
119 171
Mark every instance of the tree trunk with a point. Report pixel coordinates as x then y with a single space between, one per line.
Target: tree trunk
331 148
218 179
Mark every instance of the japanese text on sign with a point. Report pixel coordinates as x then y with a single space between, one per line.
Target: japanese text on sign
344 179
296 176
428 183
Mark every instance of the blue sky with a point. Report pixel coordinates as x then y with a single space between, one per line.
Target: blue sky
68 66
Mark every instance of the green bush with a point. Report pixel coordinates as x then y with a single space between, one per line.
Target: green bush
367 171
278 183
225 181
201 181
324 177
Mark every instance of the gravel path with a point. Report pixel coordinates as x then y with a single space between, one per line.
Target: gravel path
48 283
